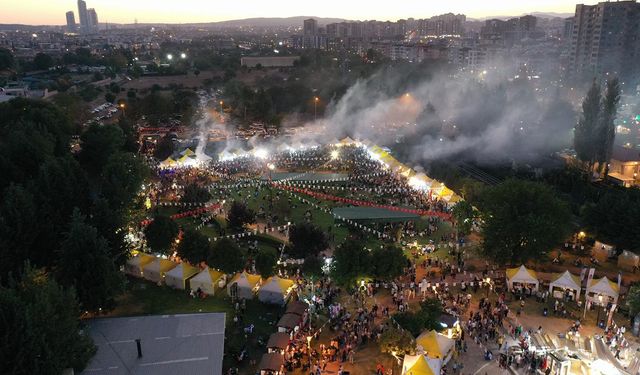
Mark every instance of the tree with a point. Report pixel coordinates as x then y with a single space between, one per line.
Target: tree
427 318
129 133
6 59
161 234
584 139
227 256
266 262
164 148
397 341
110 97
387 263
121 178
18 214
522 220
42 61
463 214
85 265
607 130
312 267
350 262
306 239
194 247
39 331
98 144
633 299
193 193
240 215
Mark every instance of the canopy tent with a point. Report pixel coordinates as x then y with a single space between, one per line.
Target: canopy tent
297 307
134 265
628 261
177 277
156 270
278 342
522 275
208 280
435 345
243 285
347 141
288 322
566 281
276 290
168 163
420 365
271 364
602 251
602 287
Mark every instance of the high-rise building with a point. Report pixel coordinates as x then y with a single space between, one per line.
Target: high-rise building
71 22
310 37
82 16
606 40
92 19
310 27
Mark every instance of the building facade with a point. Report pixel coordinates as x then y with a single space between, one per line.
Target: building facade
71 22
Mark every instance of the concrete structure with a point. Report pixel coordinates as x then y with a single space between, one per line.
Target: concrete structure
71 22
92 18
169 344
625 166
606 40
269 61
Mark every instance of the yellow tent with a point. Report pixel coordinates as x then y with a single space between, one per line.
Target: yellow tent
522 275
275 290
207 281
243 285
435 345
156 270
420 365
177 277
187 152
135 265
168 162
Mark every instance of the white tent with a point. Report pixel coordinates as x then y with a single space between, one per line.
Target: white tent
435 345
566 281
420 365
134 265
177 277
243 285
156 270
522 275
602 287
276 290
207 281
628 261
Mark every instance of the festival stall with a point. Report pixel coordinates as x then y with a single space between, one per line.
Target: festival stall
522 277
420 365
135 265
608 290
156 270
207 281
177 277
289 322
435 345
566 284
628 261
244 285
602 251
297 307
276 290
278 342
271 364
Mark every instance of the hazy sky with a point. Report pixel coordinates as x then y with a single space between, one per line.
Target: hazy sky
176 11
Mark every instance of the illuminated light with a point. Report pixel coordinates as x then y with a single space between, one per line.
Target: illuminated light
261 153
335 154
169 57
147 203
183 55
417 183
271 166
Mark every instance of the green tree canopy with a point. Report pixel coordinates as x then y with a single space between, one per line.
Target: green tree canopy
39 331
6 59
266 262
18 228
351 261
194 193
306 239
99 142
584 140
312 267
387 262
122 178
426 318
227 256
633 299
194 246
522 220
463 214
42 61
85 265
161 234
397 341
240 215
164 148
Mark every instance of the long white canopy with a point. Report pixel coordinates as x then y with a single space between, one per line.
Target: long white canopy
566 280
604 287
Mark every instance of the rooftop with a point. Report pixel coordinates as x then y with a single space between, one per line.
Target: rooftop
171 344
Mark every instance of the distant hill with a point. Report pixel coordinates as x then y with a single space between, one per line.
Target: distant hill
271 22
537 14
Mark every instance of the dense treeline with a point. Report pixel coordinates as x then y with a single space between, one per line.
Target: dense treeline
63 214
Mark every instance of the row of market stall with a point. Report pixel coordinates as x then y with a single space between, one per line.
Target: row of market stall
208 281
597 290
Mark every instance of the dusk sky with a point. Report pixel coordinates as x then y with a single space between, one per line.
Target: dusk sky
52 12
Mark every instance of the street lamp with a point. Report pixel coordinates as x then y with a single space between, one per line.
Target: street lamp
488 281
169 56
221 103
123 106
315 107
183 55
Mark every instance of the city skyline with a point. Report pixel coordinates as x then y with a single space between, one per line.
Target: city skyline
194 11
